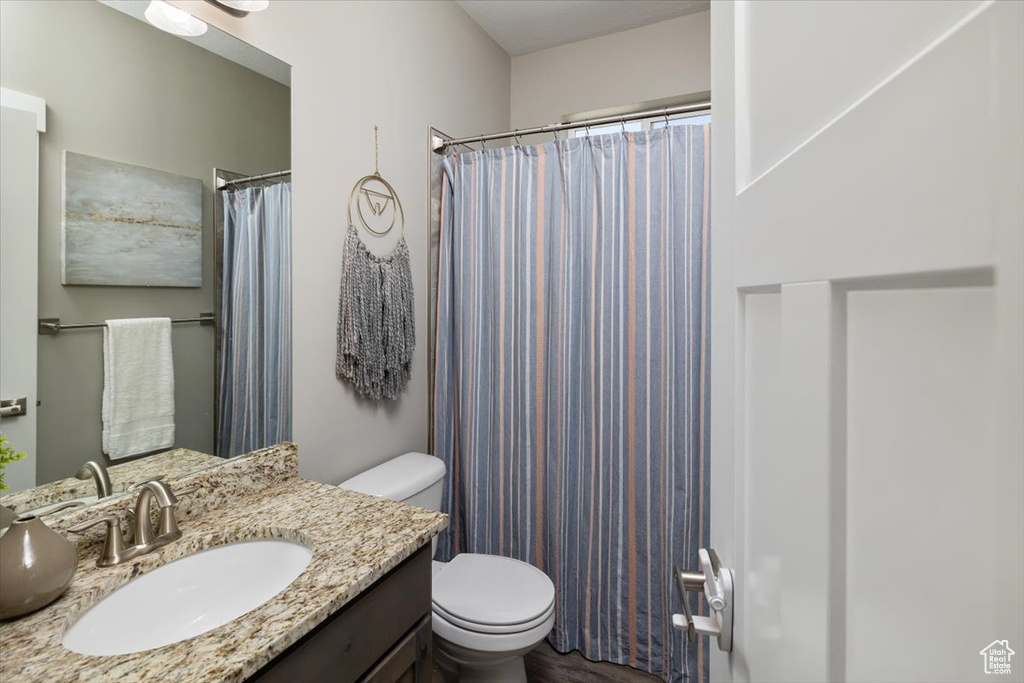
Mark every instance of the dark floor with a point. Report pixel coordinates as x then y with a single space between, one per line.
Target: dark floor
544 665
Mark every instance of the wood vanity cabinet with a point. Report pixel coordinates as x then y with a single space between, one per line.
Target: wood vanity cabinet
382 636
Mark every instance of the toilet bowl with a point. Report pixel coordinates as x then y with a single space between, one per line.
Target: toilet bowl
487 611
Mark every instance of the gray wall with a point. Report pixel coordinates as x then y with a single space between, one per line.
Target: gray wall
119 89
403 66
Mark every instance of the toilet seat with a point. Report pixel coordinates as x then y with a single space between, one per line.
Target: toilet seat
496 629
492 595
507 643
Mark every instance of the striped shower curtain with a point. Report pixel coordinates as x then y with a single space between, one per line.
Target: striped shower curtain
571 390
254 402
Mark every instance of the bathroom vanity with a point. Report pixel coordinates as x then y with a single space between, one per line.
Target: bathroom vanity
382 636
358 612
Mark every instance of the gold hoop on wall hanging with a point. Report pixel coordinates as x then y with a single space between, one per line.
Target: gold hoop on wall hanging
383 208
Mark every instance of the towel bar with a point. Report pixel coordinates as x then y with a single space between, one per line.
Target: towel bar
54 325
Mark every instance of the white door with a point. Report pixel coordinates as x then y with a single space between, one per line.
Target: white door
868 331
22 119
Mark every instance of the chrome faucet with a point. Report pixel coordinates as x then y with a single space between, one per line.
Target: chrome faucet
99 475
145 539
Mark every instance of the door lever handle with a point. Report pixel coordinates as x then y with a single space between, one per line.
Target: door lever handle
715 581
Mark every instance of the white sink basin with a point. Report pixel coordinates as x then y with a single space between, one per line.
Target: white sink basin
188 597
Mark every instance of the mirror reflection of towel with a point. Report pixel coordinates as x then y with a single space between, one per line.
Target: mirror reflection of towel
138 386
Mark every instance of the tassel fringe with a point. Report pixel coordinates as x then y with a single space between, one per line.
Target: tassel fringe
376 327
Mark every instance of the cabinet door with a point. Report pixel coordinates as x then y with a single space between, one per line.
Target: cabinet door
408 662
354 640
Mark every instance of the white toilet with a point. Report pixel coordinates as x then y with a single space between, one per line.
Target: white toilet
489 611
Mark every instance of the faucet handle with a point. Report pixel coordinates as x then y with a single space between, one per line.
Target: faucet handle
112 520
113 546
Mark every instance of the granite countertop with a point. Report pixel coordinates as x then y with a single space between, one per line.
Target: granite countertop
355 538
170 464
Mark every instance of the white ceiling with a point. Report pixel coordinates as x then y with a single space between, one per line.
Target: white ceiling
523 26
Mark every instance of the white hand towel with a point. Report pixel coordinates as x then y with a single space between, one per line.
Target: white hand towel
138 386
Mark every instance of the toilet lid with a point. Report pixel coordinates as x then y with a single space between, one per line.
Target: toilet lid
492 591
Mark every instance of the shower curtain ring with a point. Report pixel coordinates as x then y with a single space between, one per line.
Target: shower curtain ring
622 122
516 136
666 117
483 143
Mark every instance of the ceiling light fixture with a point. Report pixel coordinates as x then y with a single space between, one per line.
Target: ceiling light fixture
173 20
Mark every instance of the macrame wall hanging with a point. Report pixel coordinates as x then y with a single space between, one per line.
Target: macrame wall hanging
376 331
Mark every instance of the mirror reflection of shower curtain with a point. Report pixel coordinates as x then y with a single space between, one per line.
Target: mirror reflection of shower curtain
255 374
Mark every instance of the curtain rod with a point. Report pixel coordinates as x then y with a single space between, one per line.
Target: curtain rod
253 178
438 144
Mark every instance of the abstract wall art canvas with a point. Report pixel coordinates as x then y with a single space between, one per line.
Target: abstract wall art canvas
129 225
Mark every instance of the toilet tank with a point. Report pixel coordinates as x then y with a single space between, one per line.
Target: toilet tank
413 478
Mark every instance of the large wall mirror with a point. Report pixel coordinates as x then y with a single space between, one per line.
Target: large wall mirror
138 197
